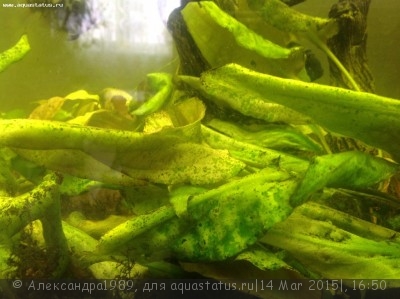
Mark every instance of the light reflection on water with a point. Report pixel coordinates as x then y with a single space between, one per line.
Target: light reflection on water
115 46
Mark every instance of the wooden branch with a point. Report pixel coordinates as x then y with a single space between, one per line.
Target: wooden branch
349 45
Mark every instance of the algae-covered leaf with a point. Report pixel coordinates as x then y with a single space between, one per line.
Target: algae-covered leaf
81 95
157 157
218 223
232 217
15 53
370 118
181 163
73 186
160 85
157 121
64 108
17 212
263 259
113 156
116 239
343 170
179 198
46 135
79 164
241 99
280 137
332 252
209 12
235 42
107 119
252 154
281 16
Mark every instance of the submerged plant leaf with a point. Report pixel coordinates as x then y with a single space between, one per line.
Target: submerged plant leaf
235 42
79 164
244 37
107 119
281 16
171 164
123 157
73 186
218 223
17 212
254 155
117 238
343 170
8 182
333 252
233 216
161 85
15 53
181 163
276 137
65 108
370 118
46 135
47 109
263 259
250 104
179 198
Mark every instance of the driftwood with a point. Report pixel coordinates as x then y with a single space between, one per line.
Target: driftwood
349 45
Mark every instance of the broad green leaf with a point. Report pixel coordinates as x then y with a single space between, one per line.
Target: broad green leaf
46 135
235 42
72 105
343 170
284 18
181 163
187 116
345 221
80 95
79 103
78 164
333 252
29 170
247 103
139 200
107 119
15 53
123 157
94 228
234 216
80 243
283 137
117 238
179 197
73 186
263 259
187 113
218 223
368 117
252 154
157 121
17 212
161 85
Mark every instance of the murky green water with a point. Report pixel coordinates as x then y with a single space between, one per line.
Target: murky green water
120 55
